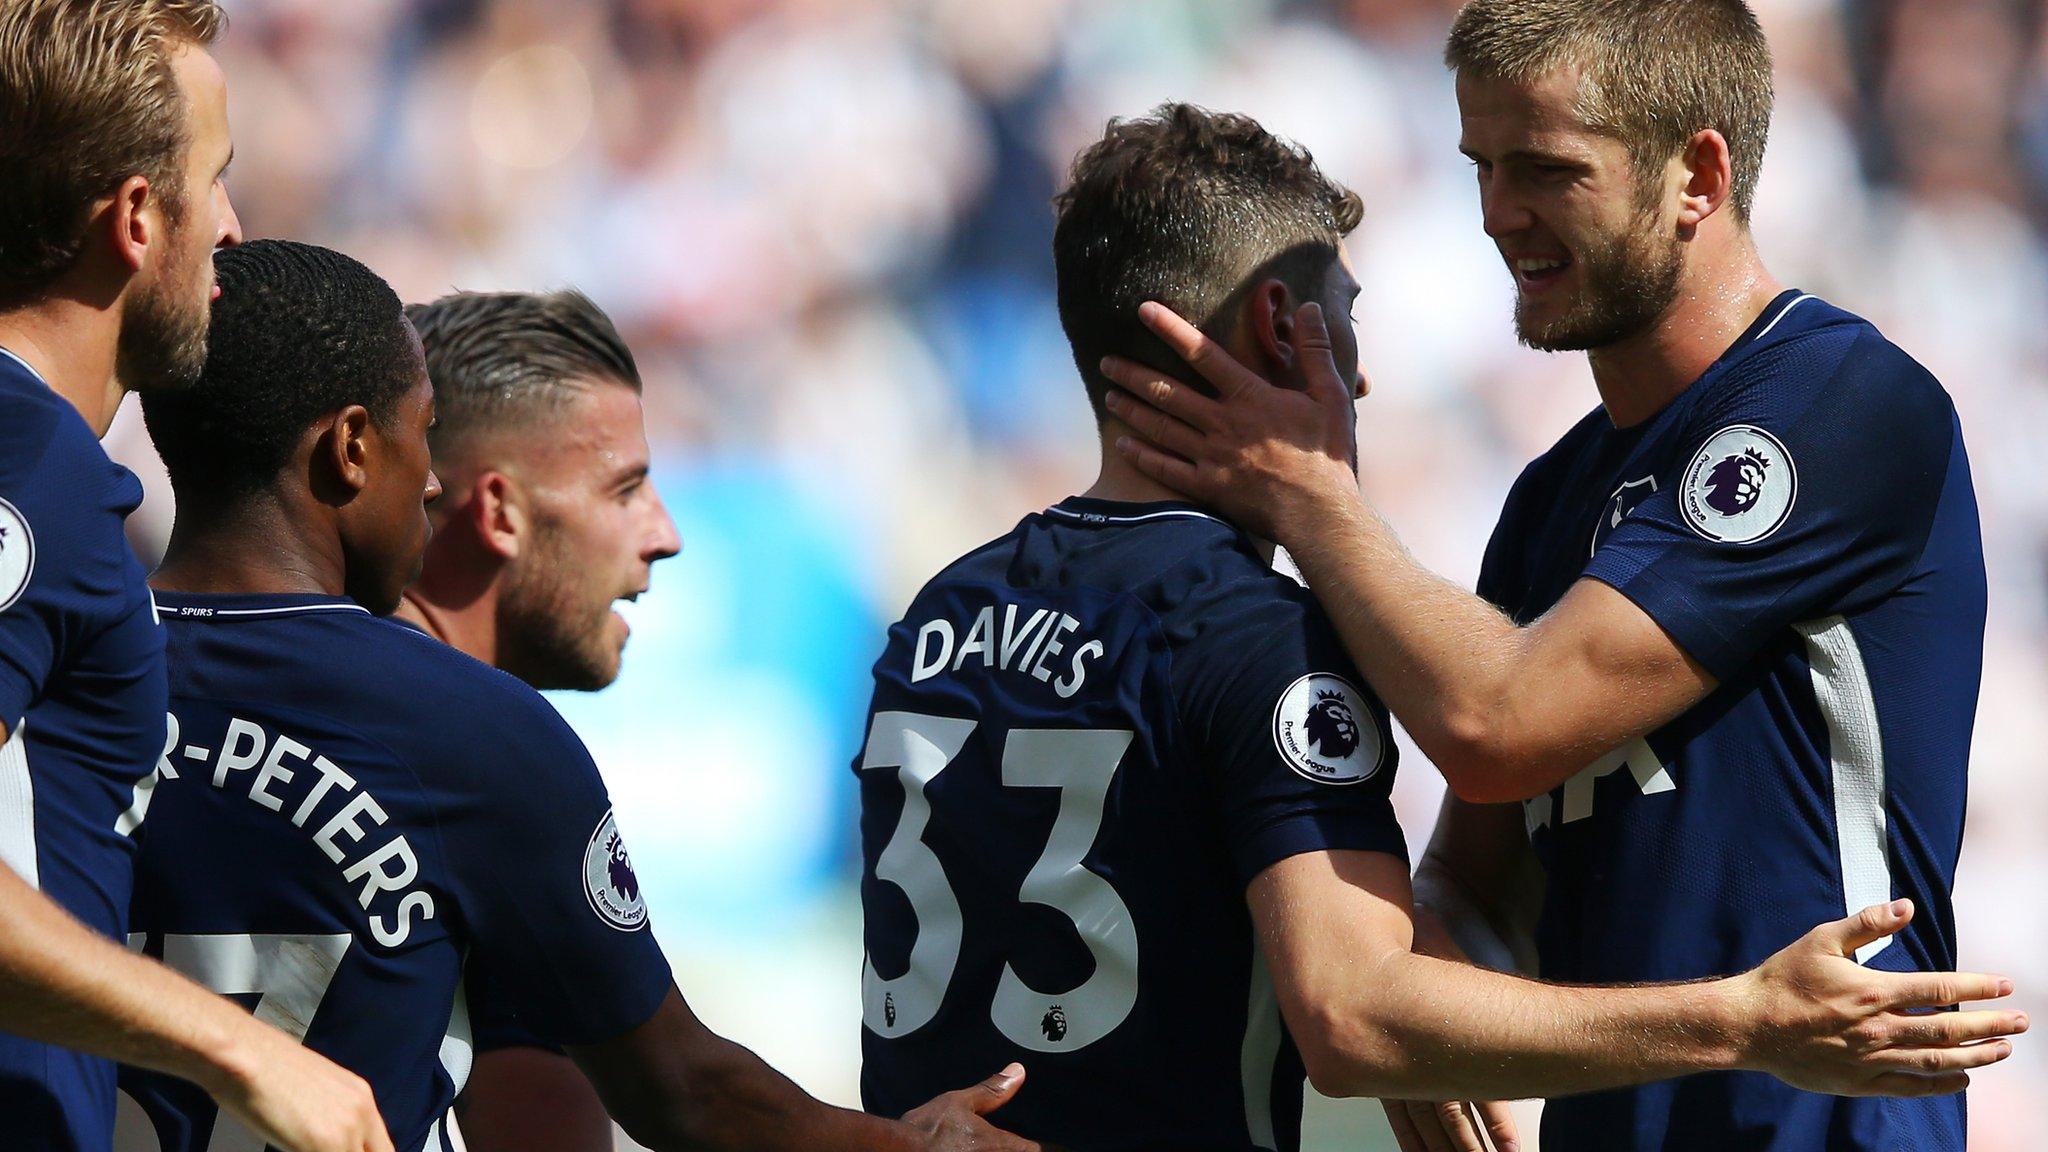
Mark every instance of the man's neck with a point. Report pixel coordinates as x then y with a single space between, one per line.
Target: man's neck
1119 481
471 628
257 548
1639 376
72 347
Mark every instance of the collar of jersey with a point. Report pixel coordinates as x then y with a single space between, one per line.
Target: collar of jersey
248 605
1089 510
6 354
1768 321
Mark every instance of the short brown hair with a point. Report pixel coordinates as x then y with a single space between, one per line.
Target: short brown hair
502 359
1655 71
1182 207
87 100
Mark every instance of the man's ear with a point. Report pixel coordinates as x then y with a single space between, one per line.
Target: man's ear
1268 320
1709 179
133 222
497 513
342 452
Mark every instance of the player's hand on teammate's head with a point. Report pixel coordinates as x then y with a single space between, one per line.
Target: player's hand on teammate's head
1452 1126
954 1122
1819 1020
1264 456
300 1101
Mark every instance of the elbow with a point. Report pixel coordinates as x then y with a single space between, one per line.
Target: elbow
1485 761
1477 758
1349 1056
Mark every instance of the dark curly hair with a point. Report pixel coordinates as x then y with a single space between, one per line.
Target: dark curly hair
502 359
1185 206
299 333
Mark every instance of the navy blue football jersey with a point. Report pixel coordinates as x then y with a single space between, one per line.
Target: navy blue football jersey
349 812
1087 738
82 698
1801 522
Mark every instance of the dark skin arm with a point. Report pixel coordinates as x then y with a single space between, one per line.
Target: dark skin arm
531 1100
673 1084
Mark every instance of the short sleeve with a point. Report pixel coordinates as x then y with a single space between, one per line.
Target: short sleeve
1794 501
495 1019
560 944
62 555
1299 752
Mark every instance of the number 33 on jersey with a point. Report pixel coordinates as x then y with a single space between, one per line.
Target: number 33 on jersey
1087 738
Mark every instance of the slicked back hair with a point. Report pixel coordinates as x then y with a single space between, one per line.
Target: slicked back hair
87 100
1654 72
1183 207
507 359
299 333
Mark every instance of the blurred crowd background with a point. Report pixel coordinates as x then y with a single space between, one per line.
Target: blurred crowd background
824 227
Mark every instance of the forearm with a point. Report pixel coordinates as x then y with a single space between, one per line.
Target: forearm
1447 663
700 1091
1424 1028
61 983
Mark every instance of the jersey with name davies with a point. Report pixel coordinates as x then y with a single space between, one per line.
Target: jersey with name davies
82 699
1801 522
346 810
1087 738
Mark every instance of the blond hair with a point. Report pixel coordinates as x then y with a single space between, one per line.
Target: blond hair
87 100
1653 72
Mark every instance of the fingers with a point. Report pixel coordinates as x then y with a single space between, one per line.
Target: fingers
1318 363
1429 1124
1935 1061
1942 989
1461 1130
1168 395
1908 1084
1950 1029
1171 471
1873 923
1499 1120
1161 429
1405 1134
996 1091
1204 355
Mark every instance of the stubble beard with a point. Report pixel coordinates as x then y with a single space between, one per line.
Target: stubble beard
1631 279
550 634
163 335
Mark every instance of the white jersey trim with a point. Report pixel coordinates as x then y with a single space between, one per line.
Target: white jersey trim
1841 687
18 809
1782 313
1162 514
1260 1053
293 610
25 366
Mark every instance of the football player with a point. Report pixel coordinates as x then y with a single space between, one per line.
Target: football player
1727 643
1124 793
546 519
114 137
348 812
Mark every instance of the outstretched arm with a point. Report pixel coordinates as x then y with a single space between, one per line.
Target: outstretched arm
61 983
1373 1018
1505 712
674 1084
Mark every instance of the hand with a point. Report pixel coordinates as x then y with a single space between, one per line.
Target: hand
954 1121
1822 1022
1267 457
1451 1126
300 1101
